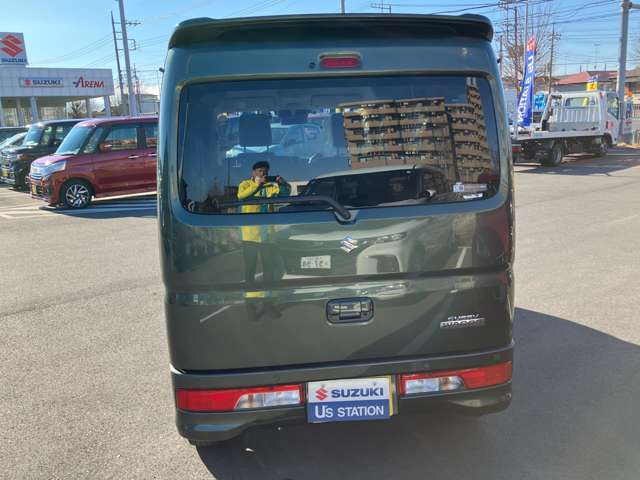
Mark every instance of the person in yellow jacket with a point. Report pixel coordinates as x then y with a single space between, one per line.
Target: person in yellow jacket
256 238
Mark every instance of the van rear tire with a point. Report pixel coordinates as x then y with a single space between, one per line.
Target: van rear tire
555 156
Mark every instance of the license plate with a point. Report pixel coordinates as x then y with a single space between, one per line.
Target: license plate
34 190
349 400
5 172
320 261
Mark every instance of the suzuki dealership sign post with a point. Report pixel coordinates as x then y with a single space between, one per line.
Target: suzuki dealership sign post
12 49
525 102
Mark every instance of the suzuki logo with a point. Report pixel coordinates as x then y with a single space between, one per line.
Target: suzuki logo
11 45
321 393
348 244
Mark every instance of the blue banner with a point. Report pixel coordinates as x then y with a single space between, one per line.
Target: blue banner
525 102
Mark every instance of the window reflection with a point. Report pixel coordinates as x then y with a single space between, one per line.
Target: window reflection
363 142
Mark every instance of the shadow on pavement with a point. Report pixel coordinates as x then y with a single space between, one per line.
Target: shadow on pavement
615 161
139 206
574 415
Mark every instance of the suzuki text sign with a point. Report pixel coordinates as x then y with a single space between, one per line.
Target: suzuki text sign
12 49
41 82
525 102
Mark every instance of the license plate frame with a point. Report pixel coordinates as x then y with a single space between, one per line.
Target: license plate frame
315 262
354 401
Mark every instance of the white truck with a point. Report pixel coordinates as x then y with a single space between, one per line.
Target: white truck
576 122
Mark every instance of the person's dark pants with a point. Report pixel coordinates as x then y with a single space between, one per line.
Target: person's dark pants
269 257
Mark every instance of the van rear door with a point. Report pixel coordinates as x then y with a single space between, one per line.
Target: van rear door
273 272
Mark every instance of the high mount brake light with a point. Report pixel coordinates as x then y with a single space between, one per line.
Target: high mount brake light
449 380
238 398
337 60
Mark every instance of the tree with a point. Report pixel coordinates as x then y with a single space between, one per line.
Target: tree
76 110
514 41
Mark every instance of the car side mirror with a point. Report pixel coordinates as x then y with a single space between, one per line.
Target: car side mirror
105 147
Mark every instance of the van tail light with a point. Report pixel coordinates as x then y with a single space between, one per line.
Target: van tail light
516 149
238 398
340 60
450 380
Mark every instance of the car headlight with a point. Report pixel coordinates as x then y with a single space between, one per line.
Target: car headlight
394 237
54 167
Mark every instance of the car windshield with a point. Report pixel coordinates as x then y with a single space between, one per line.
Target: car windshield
74 140
363 142
12 141
33 135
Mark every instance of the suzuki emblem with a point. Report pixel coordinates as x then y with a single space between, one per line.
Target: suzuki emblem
348 244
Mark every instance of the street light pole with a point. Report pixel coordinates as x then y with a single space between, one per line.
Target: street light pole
125 46
342 7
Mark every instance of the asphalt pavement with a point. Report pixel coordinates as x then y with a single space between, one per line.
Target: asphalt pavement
85 389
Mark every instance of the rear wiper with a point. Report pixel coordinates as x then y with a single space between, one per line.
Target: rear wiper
344 213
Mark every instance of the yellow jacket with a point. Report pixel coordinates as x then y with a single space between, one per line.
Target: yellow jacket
251 189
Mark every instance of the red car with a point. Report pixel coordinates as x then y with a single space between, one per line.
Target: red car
98 158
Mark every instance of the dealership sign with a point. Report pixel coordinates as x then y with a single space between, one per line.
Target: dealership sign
40 82
12 49
87 83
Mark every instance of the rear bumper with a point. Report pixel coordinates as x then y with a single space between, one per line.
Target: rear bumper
223 426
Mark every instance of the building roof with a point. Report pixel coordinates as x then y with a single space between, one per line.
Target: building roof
583 77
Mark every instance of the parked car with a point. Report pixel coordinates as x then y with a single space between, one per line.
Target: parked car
382 290
13 141
43 138
6 132
99 158
414 245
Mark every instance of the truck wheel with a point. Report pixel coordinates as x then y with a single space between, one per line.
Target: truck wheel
604 146
76 194
555 157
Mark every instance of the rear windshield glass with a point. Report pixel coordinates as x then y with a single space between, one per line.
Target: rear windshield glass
362 142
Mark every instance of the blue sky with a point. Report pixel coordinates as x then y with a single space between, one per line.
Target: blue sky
66 33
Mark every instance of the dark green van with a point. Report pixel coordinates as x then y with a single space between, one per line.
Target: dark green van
336 220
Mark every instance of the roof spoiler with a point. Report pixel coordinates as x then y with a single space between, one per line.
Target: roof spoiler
290 27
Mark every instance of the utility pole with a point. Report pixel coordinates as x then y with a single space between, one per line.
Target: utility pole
501 59
596 45
526 37
554 36
622 59
381 6
137 87
115 44
342 7
516 55
125 46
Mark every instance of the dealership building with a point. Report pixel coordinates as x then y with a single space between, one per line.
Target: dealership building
29 94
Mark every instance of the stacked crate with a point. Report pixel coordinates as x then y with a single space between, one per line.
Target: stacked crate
373 133
469 136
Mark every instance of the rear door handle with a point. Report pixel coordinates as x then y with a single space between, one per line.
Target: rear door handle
350 310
